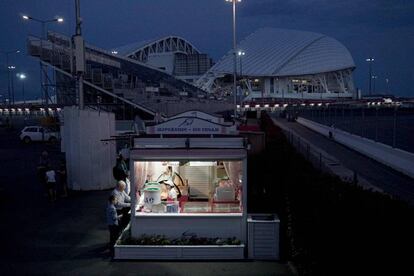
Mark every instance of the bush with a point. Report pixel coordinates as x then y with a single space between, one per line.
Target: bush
184 240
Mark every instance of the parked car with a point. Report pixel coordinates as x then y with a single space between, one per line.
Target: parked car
38 134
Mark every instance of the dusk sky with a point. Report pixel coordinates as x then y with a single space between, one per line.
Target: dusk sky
383 29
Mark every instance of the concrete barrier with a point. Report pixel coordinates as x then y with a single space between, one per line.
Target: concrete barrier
397 159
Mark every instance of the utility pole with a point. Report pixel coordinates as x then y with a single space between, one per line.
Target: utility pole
44 79
79 55
370 61
234 3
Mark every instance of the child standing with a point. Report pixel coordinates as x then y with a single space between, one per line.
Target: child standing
112 219
51 183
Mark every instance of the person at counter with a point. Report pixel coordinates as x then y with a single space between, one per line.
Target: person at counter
122 203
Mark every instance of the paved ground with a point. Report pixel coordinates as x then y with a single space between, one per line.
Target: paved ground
377 174
69 236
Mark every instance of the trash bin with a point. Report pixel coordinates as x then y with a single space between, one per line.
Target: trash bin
263 236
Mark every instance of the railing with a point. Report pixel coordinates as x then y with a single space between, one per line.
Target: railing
319 159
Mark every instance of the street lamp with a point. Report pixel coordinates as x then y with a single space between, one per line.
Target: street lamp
22 77
370 61
43 23
234 2
387 81
241 54
9 68
374 78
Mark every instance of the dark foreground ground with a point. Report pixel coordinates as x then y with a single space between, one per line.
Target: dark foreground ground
70 236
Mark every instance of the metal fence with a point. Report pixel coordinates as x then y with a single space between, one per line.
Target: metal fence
389 125
319 159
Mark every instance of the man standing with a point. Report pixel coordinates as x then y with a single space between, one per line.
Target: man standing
120 171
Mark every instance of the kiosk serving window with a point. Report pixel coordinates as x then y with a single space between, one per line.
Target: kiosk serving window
188 187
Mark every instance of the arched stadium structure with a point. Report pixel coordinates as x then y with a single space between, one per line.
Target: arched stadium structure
172 54
285 64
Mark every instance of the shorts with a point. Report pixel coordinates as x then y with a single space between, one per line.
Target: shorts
51 185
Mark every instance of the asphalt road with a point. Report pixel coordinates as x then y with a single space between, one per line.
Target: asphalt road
69 237
385 178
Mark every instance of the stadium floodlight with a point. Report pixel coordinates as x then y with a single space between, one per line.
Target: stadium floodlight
114 52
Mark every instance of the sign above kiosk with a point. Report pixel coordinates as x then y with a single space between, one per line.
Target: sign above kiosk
199 114
191 125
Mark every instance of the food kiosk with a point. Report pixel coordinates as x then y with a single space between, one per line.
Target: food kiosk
189 195
188 176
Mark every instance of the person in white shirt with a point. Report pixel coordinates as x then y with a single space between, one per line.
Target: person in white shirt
51 183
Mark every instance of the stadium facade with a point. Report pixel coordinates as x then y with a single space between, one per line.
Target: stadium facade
172 54
285 64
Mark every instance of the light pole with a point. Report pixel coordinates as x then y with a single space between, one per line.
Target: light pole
370 61
373 86
234 2
79 55
43 23
387 82
241 53
9 68
22 77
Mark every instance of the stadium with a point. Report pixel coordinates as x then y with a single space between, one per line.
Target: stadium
169 75
285 64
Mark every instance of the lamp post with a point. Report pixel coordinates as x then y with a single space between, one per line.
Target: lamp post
43 22
234 2
370 61
9 68
374 78
241 53
387 83
22 77
43 36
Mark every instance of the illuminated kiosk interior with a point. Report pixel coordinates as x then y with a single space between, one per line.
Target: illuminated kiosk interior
207 174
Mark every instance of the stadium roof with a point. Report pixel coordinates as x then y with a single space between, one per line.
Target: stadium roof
128 49
134 47
281 52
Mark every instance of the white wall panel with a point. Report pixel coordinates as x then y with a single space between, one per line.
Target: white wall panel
89 160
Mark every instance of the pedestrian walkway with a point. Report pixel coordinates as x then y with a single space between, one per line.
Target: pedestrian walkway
381 176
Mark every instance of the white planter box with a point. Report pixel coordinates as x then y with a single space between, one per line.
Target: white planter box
179 252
